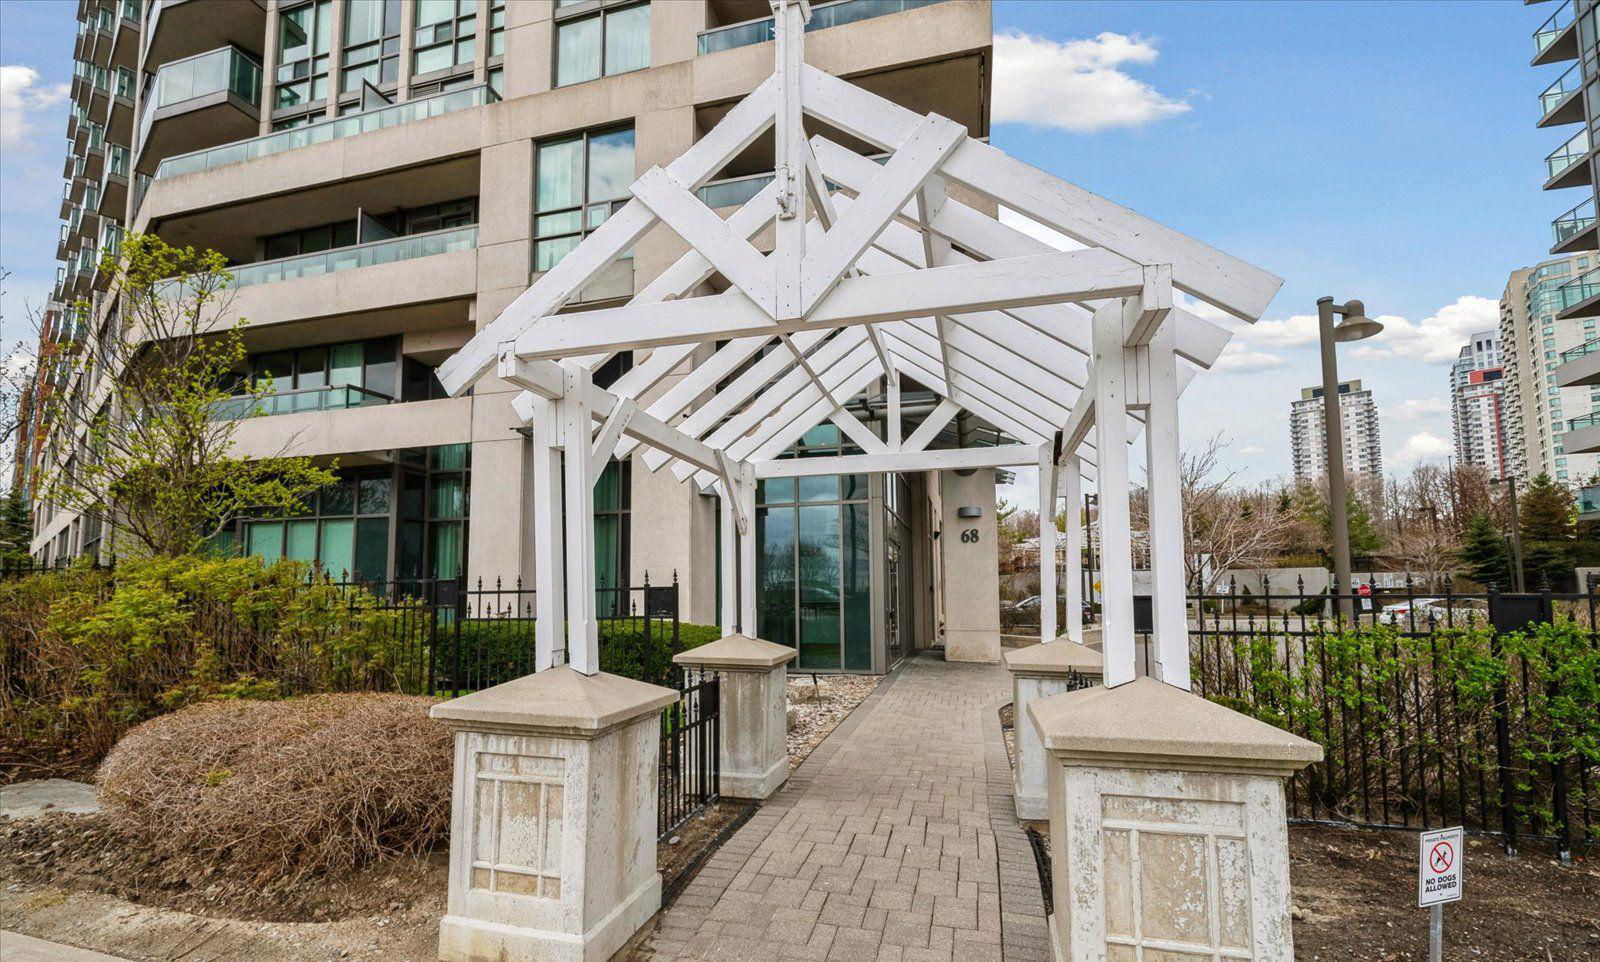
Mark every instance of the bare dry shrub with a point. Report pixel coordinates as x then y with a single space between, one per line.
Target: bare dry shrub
284 790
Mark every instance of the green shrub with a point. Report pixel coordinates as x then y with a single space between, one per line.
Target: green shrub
85 653
492 652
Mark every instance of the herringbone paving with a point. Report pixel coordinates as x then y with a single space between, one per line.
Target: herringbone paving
881 846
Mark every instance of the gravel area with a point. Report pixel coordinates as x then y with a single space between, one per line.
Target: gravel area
817 703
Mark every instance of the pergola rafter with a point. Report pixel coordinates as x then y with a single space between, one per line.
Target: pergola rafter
877 274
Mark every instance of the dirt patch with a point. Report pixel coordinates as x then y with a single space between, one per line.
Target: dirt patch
817 704
1355 896
678 851
1008 731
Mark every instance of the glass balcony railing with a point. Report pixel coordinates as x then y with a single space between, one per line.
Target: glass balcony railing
1553 27
1574 222
344 258
226 69
335 397
348 126
823 16
1590 420
1589 499
1568 84
1579 289
1567 154
1582 350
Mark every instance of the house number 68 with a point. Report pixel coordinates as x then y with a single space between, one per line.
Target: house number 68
969 536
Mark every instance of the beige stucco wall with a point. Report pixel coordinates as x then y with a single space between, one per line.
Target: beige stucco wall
970 569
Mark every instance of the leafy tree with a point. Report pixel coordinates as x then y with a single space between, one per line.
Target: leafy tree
1546 513
1483 552
159 400
1364 537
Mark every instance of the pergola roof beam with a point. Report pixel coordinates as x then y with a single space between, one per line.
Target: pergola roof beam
748 120
1240 288
998 456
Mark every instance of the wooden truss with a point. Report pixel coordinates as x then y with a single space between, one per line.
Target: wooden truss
876 273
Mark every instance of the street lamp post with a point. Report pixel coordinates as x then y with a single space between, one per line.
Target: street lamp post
1518 578
1356 326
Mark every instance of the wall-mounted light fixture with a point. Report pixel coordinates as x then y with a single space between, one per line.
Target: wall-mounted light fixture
969 511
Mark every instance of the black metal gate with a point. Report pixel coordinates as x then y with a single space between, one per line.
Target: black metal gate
691 750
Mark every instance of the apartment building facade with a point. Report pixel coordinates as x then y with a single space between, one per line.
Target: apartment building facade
1535 331
385 176
1308 436
1477 403
1556 367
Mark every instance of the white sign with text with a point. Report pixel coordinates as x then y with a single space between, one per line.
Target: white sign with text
1439 874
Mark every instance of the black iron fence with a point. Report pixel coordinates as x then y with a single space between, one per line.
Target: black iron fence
691 750
1434 707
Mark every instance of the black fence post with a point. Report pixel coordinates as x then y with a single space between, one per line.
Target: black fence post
1502 731
1558 764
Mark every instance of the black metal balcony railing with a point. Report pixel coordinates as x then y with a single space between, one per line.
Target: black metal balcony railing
823 15
332 397
1582 350
348 126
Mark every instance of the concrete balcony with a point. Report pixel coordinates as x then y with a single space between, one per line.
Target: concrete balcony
1562 102
1557 38
177 29
1579 366
375 429
207 99
1568 165
420 278
443 131
333 397
125 38
1582 435
1575 230
1579 297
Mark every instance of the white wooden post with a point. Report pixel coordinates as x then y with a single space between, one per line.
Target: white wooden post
549 558
1111 444
1072 474
1047 544
790 154
747 551
583 639
1166 512
728 573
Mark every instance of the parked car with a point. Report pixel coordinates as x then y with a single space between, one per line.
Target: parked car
1428 612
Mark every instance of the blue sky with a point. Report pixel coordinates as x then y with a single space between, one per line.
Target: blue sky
1385 151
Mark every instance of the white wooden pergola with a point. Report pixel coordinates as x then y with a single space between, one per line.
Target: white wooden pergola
876 273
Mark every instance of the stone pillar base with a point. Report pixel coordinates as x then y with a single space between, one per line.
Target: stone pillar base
972 644
754 678
1039 671
1167 825
553 822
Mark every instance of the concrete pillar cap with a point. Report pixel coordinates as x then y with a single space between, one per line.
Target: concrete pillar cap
1060 657
1146 723
736 653
557 701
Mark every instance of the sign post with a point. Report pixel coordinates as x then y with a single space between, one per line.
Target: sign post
1439 880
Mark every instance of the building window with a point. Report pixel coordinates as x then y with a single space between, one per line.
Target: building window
309 241
497 28
371 44
612 505
579 182
610 41
370 365
344 526
446 35
497 81
305 36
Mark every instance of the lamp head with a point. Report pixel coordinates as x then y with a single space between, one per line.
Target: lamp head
1356 326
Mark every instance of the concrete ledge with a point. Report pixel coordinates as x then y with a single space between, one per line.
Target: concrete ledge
463 939
1059 657
762 786
557 701
737 653
1147 723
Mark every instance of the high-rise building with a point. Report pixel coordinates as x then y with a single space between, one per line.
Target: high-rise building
1534 332
1308 437
384 177
1560 393
1477 403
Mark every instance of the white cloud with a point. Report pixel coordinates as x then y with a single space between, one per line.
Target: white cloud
1250 449
1238 358
1423 446
1076 85
1437 339
1038 231
1415 409
1297 331
20 97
